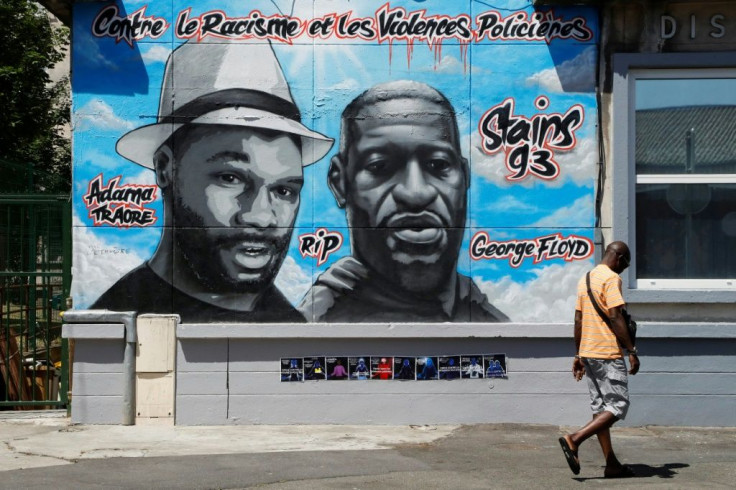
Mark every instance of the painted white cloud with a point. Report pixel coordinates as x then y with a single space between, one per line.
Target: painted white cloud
577 165
580 164
96 114
293 281
451 65
575 75
157 53
144 177
346 85
579 213
549 297
511 203
490 167
100 159
97 265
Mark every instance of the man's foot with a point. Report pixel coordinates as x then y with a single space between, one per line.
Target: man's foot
571 455
623 471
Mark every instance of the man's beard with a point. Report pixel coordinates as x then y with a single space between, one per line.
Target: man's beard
421 270
200 248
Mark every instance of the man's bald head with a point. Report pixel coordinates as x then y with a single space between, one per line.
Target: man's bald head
617 256
618 248
358 109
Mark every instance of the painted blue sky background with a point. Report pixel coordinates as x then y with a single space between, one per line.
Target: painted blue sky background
116 88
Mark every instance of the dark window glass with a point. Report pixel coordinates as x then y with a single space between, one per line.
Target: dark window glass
686 231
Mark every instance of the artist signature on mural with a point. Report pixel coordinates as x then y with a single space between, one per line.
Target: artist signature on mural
529 143
108 251
120 205
320 245
548 247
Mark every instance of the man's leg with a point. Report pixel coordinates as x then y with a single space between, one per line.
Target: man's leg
604 438
601 422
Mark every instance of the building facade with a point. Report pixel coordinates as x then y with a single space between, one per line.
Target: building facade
385 194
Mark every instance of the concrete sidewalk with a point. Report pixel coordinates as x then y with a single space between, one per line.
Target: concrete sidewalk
42 451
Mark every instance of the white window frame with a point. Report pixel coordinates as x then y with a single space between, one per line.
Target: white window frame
627 69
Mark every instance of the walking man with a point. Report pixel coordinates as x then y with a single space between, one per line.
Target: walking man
600 358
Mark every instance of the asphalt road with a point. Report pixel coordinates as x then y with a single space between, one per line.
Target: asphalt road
470 457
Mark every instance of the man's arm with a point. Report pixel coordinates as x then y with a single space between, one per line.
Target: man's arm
578 368
618 325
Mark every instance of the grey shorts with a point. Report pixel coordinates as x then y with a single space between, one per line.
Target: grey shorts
608 383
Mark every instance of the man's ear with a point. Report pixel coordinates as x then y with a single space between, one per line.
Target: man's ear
336 180
466 171
163 165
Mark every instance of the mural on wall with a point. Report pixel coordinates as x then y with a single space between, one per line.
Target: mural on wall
334 161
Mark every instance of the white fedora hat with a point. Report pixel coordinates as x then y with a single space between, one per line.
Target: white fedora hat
237 83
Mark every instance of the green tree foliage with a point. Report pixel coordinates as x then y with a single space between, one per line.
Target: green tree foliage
33 109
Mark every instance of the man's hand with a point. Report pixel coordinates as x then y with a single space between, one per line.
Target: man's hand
578 368
633 363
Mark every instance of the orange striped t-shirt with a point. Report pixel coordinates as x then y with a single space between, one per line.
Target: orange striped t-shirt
597 340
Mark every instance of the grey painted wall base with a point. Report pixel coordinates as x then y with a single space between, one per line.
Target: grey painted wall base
98 380
229 374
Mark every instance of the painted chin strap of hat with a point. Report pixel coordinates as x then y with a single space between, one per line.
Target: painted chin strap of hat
234 97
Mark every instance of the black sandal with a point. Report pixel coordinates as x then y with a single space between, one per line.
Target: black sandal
570 455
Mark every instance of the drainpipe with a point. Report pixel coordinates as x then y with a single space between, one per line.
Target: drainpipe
128 319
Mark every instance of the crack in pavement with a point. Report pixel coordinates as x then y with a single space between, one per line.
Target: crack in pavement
15 451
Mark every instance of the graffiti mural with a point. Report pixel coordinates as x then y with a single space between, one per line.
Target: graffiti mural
334 161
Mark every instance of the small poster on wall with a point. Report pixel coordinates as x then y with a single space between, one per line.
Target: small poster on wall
427 368
359 368
472 366
449 367
404 368
381 368
314 368
292 369
337 368
423 368
495 365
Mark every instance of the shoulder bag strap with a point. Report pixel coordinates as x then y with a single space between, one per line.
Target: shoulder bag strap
597 307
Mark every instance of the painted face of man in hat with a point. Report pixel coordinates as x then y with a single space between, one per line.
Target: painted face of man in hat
234 195
228 150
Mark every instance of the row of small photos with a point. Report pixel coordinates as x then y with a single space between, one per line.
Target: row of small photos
383 368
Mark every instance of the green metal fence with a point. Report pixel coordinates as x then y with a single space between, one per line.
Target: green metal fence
35 276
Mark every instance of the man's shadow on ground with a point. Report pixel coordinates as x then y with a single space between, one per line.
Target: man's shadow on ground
646 471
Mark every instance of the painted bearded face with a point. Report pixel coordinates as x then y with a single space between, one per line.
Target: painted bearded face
236 196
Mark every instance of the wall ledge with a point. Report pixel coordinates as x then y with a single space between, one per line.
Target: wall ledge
424 331
93 331
679 296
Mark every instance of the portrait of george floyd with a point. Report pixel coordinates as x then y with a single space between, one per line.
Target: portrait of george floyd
325 162
403 181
